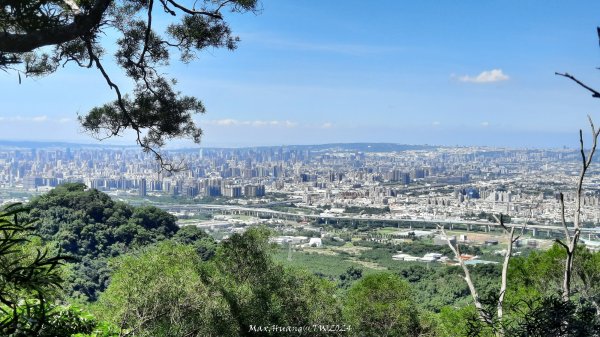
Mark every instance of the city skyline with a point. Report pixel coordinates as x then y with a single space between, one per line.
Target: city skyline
412 182
410 73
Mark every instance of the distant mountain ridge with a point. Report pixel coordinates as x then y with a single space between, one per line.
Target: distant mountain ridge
363 147
42 145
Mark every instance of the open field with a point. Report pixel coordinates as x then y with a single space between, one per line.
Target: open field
349 248
328 264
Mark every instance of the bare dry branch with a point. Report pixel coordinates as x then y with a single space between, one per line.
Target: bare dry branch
595 93
503 282
571 245
483 315
505 264
561 197
500 221
562 244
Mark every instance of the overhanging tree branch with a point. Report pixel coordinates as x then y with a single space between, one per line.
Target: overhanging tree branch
215 14
82 24
154 110
561 199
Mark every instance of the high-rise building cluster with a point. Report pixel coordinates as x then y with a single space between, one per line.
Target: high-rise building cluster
412 181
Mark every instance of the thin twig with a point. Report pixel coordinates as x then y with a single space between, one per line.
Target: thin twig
215 15
147 33
483 315
561 198
595 93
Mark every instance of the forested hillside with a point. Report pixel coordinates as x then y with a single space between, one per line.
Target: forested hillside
89 226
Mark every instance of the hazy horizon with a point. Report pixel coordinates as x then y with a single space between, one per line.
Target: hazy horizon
24 143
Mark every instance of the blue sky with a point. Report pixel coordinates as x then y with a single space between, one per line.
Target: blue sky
415 72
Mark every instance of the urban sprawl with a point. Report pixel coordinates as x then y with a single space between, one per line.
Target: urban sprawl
404 186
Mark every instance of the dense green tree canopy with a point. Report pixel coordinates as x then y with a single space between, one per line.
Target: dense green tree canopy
192 235
263 293
159 293
89 226
167 290
39 36
382 305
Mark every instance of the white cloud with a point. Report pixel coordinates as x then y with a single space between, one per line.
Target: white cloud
36 119
327 125
255 123
485 124
290 124
224 122
436 123
39 119
488 76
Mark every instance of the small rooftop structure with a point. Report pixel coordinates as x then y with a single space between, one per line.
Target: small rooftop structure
429 257
467 257
475 261
287 239
315 242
